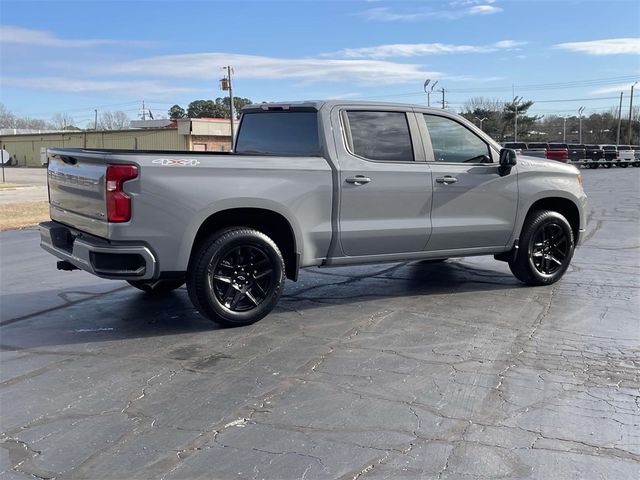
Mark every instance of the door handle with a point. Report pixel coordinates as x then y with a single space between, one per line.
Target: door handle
358 180
447 179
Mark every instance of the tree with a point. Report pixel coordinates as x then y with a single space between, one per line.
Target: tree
487 109
7 119
525 123
202 109
215 109
61 121
117 120
176 112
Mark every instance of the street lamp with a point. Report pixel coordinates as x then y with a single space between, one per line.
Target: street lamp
480 120
426 84
580 110
564 129
429 91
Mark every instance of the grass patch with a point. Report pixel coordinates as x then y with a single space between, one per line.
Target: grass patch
21 215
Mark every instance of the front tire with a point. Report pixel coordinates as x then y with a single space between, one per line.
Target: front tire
236 278
545 249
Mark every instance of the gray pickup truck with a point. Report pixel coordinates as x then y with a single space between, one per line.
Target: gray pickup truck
319 183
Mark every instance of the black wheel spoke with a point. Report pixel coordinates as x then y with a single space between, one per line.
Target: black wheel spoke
549 248
243 278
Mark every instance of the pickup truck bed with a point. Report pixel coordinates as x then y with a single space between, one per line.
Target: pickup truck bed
309 184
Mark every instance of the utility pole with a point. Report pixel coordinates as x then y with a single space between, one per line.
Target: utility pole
580 110
631 113
144 112
480 120
225 84
443 102
619 119
516 101
95 121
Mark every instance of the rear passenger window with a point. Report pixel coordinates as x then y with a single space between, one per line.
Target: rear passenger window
453 143
380 136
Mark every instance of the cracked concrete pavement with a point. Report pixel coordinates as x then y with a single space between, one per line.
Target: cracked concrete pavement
406 370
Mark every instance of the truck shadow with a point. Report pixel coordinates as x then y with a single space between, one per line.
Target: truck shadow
128 314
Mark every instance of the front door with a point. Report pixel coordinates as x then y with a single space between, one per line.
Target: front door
385 188
473 205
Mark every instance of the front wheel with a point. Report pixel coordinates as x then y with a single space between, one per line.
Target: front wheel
545 249
236 278
623 164
607 165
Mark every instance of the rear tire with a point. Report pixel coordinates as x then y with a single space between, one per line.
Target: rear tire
545 249
607 165
236 278
158 287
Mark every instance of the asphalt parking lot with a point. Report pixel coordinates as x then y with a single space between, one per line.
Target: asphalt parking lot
408 370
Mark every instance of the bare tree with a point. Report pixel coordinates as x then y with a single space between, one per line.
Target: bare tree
117 120
61 121
7 119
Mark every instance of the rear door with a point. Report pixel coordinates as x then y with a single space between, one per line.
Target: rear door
384 181
473 205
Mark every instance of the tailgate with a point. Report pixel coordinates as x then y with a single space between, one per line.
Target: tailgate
77 189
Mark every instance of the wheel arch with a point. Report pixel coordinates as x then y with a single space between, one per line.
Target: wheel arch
564 206
270 222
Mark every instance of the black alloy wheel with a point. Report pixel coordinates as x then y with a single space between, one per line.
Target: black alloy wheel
550 248
242 279
545 248
236 276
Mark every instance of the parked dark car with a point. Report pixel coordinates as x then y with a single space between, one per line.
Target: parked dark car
517 146
577 152
610 155
595 155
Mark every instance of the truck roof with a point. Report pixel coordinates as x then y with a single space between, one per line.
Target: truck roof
319 104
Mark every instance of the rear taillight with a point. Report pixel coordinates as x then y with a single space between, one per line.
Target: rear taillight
118 202
565 154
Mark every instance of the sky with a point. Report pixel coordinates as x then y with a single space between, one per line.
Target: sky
76 56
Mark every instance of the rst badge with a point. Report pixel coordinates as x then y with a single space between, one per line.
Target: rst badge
176 162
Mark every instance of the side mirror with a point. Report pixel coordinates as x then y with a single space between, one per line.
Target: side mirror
507 158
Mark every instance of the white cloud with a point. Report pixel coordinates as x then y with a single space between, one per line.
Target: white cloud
623 87
483 10
10 34
385 14
612 46
421 49
74 85
306 70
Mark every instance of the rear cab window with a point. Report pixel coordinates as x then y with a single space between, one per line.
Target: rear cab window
379 135
279 133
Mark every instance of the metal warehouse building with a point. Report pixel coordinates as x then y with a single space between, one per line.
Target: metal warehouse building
196 134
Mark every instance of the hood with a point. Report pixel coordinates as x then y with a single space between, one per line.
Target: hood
545 164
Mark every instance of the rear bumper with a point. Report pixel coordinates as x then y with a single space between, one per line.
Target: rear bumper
96 255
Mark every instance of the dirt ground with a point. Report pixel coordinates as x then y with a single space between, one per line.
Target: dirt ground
23 198
23 214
